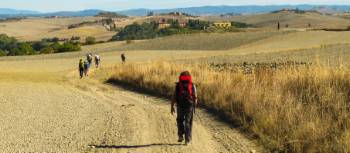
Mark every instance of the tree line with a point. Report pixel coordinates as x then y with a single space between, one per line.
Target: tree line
151 30
10 46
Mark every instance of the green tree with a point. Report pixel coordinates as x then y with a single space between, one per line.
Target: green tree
136 31
174 23
90 40
22 49
7 43
197 24
26 49
40 45
69 47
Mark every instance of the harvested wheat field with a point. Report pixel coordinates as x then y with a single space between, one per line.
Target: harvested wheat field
46 108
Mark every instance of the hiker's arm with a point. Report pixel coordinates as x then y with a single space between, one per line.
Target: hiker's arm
173 102
195 96
172 109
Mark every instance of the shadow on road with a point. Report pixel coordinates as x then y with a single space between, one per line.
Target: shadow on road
133 146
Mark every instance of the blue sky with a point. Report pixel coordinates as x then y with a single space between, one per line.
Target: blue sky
114 5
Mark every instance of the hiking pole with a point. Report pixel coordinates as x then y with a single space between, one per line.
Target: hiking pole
196 114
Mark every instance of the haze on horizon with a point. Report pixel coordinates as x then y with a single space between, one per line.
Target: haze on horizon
117 5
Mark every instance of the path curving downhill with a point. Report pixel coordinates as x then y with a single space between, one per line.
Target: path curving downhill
54 111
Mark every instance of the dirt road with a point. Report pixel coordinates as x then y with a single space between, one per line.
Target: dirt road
51 110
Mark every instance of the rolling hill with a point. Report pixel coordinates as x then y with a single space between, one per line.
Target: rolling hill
33 29
292 19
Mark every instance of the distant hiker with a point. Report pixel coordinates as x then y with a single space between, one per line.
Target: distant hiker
278 26
123 58
97 60
185 98
81 68
89 58
86 68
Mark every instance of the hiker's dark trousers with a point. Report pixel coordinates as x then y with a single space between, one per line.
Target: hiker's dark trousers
81 72
184 121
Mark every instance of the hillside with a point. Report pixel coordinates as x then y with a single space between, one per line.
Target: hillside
294 20
37 28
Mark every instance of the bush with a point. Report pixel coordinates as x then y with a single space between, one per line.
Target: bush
75 38
7 43
47 50
69 47
129 41
40 45
22 49
90 40
2 53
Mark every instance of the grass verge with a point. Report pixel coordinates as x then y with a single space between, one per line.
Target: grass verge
291 109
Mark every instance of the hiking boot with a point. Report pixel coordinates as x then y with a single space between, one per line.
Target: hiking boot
187 142
180 139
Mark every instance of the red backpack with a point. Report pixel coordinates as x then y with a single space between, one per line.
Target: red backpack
185 89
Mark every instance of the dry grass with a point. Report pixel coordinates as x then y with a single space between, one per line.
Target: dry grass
202 41
330 55
303 109
295 41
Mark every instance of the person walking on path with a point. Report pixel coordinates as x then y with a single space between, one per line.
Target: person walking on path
86 68
123 58
97 60
81 68
185 99
89 58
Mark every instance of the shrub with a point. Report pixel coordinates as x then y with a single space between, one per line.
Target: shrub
75 38
40 45
7 43
22 49
90 40
129 41
69 47
2 53
47 50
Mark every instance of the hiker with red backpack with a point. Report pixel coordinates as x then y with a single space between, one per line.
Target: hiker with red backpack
185 99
